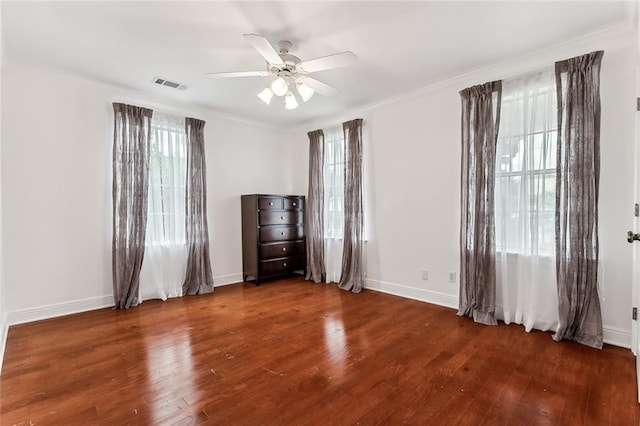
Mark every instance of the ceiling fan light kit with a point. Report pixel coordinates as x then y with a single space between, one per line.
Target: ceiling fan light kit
279 86
305 91
289 70
266 95
290 101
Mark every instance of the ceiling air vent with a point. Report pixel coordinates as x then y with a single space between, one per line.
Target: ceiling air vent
163 82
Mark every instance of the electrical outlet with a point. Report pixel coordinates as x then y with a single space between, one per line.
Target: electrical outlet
452 277
424 274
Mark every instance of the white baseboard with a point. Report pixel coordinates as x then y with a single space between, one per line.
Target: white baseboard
75 306
59 309
617 336
611 335
221 280
429 296
4 331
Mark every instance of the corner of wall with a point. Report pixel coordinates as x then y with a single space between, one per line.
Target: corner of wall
4 331
4 326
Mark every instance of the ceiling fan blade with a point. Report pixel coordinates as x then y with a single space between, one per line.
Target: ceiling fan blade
320 87
238 74
338 60
264 48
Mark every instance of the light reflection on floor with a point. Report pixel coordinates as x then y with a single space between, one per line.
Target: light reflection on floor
169 362
335 341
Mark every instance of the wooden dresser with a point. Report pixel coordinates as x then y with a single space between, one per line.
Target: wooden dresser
273 241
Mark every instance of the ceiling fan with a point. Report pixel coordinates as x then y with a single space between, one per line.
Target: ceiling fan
290 70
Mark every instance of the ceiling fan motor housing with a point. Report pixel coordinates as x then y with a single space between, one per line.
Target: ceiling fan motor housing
284 46
288 69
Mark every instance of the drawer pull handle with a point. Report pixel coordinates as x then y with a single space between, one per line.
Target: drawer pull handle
270 203
284 264
281 217
284 249
294 204
282 233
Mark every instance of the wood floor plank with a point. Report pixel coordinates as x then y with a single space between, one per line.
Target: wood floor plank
292 352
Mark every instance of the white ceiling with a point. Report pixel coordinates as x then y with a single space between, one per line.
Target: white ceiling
401 46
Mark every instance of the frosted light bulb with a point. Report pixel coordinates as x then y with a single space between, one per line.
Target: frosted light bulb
279 87
290 101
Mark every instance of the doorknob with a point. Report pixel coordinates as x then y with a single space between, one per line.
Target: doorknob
631 237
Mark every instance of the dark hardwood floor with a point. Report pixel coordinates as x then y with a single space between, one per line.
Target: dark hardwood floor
290 352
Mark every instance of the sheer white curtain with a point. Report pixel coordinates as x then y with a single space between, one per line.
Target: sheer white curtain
526 291
165 257
334 164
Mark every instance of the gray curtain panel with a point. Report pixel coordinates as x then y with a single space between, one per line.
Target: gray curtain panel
130 190
315 208
352 274
198 277
480 122
577 182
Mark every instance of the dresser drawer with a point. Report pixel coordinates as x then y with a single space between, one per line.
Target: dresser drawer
270 203
281 266
293 203
271 217
280 233
270 251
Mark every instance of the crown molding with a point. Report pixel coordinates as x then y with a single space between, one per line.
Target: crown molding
617 37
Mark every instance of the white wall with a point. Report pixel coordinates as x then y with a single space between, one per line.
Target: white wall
617 196
55 174
241 159
4 328
412 157
56 188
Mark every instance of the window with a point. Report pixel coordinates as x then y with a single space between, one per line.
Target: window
334 165
167 181
525 188
526 167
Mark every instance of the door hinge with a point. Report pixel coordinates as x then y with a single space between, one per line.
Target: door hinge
637 104
634 314
636 210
